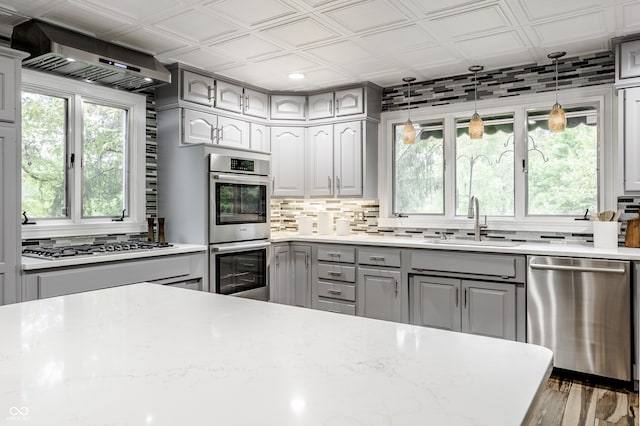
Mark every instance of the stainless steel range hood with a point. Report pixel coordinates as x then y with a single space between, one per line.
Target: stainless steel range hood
79 56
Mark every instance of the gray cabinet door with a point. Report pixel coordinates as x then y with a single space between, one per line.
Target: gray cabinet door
288 107
489 309
347 164
228 96
9 220
256 103
287 161
435 302
319 170
197 88
233 132
279 276
198 127
350 101
321 105
301 274
379 294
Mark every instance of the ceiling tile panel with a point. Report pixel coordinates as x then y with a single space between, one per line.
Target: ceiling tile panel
368 15
342 52
246 47
301 33
86 20
200 58
496 44
471 22
397 39
631 16
424 58
539 9
135 9
150 41
433 7
196 25
574 28
251 12
286 64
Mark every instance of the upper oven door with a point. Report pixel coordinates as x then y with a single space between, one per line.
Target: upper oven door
239 207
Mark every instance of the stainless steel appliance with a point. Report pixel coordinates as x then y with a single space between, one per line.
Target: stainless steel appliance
581 310
238 197
240 269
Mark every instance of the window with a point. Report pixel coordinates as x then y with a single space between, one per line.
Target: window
484 167
567 160
419 171
524 176
82 157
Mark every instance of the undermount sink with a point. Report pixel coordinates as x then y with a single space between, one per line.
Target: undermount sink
482 243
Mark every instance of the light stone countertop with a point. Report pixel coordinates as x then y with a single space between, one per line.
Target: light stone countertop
146 354
32 263
545 249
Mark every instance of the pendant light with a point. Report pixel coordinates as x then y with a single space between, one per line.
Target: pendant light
476 126
409 132
557 117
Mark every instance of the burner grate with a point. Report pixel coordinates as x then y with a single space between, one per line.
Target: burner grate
90 249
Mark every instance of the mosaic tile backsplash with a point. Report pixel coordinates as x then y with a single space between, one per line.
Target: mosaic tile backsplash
579 71
363 216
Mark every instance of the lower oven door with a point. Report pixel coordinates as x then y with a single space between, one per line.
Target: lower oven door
240 269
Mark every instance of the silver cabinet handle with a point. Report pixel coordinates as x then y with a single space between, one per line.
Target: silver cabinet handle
211 93
215 135
331 107
334 291
307 261
380 258
334 274
220 134
396 282
465 298
337 106
246 106
333 254
329 177
335 312
338 184
457 296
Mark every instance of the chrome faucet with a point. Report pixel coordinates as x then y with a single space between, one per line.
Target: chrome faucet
474 213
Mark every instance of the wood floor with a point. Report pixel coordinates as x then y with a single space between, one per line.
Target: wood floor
576 401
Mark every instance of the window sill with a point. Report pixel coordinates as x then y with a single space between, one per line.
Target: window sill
67 229
563 225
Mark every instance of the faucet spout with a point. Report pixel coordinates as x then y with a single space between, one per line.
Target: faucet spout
474 213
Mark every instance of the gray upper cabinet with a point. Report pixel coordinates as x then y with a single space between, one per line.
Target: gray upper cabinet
197 88
287 161
628 60
288 107
256 104
259 137
631 132
349 101
319 165
228 96
347 163
379 294
198 127
321 106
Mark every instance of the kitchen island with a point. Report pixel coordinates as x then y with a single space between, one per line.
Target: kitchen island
151 354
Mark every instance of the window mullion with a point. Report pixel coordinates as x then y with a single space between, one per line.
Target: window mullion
520 146
76 140
450 166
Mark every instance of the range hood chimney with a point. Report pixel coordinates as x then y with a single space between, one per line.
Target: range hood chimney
79 56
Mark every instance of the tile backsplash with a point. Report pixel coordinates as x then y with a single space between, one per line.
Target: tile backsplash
363 215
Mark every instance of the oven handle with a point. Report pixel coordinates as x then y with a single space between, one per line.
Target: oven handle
263 180
243 247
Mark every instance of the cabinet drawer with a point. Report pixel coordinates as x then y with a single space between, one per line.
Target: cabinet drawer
337 307
379 257
344 254
337 291
337 272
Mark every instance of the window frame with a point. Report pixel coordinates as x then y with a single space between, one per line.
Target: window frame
608 156
76 92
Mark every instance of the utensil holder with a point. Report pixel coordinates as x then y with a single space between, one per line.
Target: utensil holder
605 234
161 230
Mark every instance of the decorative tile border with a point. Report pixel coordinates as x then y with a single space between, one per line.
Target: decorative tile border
579 71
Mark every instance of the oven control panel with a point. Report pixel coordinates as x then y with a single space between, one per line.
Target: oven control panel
242 165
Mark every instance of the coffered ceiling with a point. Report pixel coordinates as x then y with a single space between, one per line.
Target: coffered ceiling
337 42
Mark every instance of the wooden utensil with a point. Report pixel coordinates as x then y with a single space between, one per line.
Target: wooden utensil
632 236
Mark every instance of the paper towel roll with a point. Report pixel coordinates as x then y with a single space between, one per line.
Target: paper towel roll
325 223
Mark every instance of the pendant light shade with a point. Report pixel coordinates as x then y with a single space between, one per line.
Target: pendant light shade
476 125
557 117
409 132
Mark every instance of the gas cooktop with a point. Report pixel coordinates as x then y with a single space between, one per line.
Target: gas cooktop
90 249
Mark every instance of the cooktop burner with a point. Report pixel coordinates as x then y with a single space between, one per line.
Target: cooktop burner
90 249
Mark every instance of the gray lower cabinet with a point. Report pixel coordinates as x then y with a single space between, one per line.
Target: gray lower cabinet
290 276
183 270
379 294
476 307
300 256
334 279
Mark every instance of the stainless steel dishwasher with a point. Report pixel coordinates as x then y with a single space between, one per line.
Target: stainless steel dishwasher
581 310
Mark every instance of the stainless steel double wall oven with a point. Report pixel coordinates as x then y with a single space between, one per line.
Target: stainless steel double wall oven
239 228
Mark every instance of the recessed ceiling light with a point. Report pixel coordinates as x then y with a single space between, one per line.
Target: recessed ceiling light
296 76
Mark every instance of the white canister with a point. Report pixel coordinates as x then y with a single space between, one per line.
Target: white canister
305 225
342 227
325 223
605 234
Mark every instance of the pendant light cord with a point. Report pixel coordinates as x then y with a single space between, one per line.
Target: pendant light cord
475 92
556 80
409 98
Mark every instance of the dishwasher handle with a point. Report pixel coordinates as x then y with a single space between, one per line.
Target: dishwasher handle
576 268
